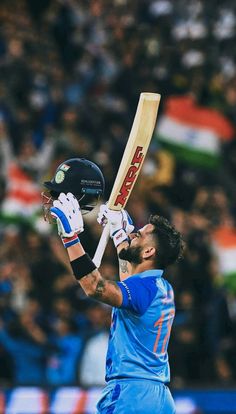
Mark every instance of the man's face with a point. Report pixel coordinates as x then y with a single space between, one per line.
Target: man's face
138 243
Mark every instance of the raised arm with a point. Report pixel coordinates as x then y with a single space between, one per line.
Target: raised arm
93 284
67 212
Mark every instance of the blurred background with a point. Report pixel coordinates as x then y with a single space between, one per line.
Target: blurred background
71 72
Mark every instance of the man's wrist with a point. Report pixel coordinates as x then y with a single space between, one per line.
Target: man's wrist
70 241
82 266
119 237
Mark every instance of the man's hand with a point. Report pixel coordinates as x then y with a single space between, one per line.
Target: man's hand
66 211
117 219
120 223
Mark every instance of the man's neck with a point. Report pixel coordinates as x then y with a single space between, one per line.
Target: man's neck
142 267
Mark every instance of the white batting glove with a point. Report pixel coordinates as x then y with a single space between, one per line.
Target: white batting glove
120 223
124 220
66 211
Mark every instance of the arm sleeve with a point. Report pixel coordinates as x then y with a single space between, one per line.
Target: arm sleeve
138 293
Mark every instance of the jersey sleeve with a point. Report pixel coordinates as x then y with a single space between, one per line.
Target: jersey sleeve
138 293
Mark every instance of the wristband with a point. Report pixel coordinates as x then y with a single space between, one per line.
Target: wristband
70 241
119 237
82 266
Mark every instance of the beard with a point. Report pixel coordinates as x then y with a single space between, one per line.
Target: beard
131 254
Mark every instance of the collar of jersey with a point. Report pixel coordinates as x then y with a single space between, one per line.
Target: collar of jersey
153 273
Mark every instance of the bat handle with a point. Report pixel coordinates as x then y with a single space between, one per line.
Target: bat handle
97 258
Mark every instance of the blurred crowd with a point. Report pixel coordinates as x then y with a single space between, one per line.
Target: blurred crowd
70 76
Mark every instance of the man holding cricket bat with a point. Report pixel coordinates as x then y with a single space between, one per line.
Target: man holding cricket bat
137 368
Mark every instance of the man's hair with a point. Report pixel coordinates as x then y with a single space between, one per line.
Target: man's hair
170 245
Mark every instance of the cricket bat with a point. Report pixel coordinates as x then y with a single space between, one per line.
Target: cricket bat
132 160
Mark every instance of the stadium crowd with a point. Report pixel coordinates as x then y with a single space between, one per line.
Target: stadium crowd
70 75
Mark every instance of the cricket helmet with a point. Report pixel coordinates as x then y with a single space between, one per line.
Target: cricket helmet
82 178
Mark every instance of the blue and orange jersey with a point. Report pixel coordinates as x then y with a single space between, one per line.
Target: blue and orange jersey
140 329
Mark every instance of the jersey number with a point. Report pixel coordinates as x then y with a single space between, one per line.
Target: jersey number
162 339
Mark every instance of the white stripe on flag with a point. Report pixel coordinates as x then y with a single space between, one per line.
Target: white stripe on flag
15 207
200 139
227 259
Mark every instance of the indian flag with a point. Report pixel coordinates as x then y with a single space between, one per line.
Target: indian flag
224 243
22 198
194 133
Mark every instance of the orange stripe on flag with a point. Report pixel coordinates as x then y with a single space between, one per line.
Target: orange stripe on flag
28 198
225 237
16 173
81 403
185 110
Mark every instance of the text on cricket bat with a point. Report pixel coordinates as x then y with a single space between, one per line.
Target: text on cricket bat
130 177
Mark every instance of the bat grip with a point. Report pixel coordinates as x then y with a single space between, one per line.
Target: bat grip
97 258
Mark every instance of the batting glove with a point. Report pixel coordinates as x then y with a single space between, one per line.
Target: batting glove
120 223
66 211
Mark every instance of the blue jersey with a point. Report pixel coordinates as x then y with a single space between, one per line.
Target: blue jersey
140 329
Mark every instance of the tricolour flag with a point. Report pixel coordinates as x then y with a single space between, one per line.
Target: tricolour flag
22 195
194 133
225 246
224 242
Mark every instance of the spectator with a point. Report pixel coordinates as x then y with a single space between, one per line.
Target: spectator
26 342
93 362
64 358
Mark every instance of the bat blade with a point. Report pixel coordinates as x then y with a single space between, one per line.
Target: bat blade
136 149
132 160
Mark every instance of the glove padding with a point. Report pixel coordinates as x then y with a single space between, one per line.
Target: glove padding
66 211
117 219
120 223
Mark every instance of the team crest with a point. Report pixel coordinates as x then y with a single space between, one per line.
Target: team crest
60 176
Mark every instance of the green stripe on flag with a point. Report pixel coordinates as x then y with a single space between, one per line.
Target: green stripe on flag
192 156
17 220
230 281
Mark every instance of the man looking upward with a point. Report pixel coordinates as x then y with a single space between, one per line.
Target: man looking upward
137 368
